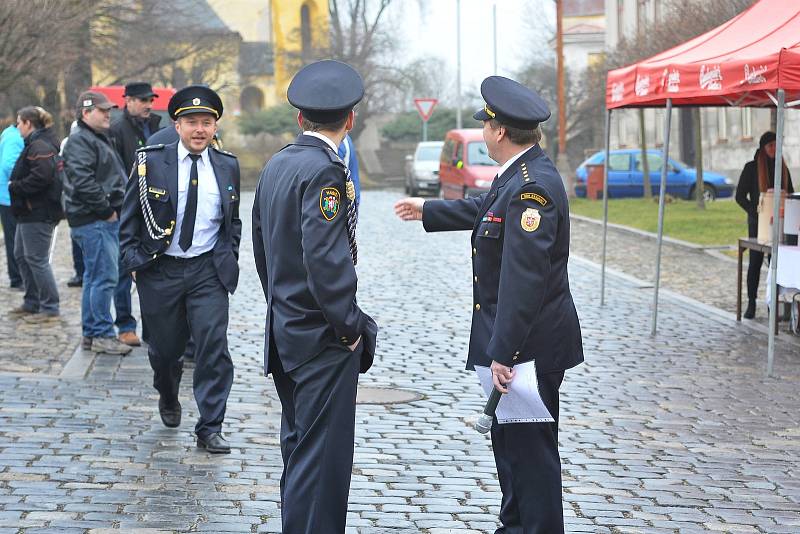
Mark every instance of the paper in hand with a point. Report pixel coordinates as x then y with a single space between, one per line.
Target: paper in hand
522 403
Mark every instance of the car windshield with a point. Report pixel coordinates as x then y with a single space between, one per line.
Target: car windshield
428 153
478 154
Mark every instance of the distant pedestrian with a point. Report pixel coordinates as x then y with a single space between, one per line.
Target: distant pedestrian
757 176
11 145
93 197
36 203
130 132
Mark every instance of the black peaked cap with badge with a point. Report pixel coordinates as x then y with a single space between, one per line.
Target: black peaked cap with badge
326 91
512 104
195 99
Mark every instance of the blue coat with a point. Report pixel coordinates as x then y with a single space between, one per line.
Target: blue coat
139 250
11 145
523 308
303 257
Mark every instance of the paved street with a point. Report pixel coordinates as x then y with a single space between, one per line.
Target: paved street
678 433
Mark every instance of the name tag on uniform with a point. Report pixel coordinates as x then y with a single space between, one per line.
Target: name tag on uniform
156 190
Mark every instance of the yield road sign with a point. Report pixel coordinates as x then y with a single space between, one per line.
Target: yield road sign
425 107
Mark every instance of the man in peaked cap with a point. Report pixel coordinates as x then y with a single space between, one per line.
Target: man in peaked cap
180 235
317 339
522 310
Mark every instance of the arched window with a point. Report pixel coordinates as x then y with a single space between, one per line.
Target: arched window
251 99
305 30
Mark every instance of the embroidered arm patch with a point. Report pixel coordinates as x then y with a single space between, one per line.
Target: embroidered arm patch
534 196
329 202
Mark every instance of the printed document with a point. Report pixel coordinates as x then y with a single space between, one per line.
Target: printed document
522 403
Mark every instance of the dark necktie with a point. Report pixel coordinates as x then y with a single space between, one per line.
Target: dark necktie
190 212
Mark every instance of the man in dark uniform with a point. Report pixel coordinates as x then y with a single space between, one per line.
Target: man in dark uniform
523 309
180 234
316 337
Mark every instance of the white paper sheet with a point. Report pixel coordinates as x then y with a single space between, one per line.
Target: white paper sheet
522 403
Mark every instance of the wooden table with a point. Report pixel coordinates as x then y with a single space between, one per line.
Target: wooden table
750 243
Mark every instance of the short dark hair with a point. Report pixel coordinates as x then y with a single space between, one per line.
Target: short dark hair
311 126
518 136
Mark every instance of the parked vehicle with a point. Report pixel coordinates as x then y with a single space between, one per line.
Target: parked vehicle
115 92
465 168
626 177
422 169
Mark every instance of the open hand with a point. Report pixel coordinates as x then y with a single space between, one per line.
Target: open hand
409 209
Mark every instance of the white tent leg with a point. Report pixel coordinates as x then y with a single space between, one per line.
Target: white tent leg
661 198
773 264
605 210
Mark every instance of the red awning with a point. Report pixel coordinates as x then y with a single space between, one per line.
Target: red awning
740 63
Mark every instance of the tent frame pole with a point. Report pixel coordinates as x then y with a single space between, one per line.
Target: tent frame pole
662 190
605 209
773 264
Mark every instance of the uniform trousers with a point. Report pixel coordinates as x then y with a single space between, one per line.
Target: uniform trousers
318 402
529 469
179 297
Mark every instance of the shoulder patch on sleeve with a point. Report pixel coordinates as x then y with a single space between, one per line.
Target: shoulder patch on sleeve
149 148
530 220
534 196
330 201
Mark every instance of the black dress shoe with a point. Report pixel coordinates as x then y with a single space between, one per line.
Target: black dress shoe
75 281
170 413
750 312
214 443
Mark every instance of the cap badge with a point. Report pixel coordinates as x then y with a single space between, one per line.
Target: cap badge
87 103
196 102
329 201
530 220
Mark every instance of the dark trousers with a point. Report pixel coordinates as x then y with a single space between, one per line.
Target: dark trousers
32 252
529 469
756 260
178 298
318 402
77 258
123 306
9 231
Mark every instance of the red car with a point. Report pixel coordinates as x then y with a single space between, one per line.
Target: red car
465 168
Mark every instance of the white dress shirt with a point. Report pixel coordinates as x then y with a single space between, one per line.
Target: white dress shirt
209 205
511 161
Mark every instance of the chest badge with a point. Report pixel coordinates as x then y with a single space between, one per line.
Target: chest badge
530 220
329 202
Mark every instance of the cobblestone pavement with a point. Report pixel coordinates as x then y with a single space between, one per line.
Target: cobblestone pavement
711 279
678 433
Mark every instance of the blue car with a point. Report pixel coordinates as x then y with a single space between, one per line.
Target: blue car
625 176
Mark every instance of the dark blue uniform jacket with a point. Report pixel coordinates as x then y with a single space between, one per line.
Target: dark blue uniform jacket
303 257
522 307
139 250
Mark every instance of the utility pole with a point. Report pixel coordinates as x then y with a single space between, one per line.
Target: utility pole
562 163
458 64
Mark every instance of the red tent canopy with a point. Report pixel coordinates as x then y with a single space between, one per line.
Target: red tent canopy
741 63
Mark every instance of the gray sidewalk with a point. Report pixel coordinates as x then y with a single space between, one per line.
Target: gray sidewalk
678 433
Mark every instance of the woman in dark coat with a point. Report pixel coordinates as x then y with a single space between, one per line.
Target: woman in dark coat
35 190
757 176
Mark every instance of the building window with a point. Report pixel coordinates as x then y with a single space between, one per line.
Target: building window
722 125
747 123
251 99
305 30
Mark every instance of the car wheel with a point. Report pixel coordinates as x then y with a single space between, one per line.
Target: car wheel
709 193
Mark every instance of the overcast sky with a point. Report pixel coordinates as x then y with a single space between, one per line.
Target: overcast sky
428 28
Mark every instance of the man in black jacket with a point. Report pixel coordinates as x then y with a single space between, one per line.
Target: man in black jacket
180 236
92 198
129 133
317 338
